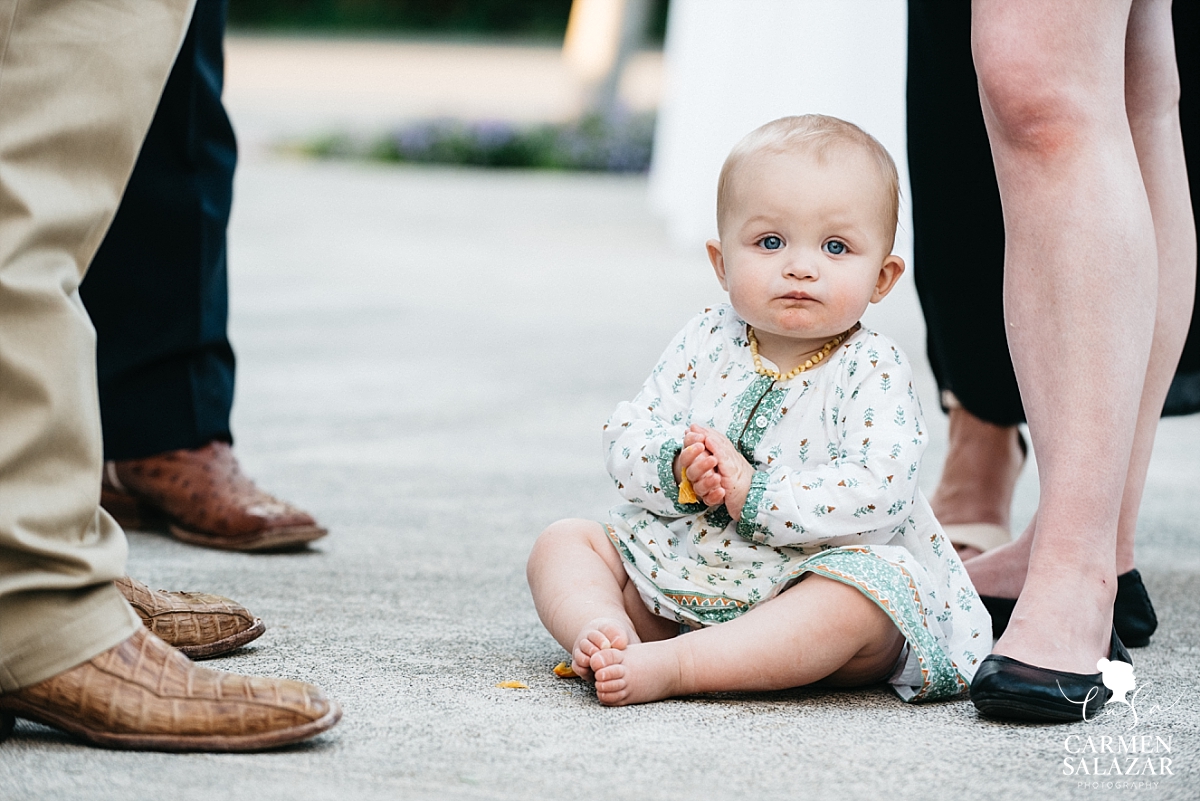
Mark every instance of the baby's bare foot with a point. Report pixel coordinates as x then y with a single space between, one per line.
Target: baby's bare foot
642 672
598 635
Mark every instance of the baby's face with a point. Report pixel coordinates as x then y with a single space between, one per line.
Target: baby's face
805 245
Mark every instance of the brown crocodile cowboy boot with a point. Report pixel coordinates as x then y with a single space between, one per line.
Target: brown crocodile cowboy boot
142 694
198 624
202 497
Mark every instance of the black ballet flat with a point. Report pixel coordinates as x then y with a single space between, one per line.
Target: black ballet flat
1001 610
1013 690
1133 614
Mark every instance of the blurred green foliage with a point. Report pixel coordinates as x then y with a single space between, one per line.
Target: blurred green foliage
543 19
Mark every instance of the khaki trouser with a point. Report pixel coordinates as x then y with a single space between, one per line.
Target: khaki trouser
79 83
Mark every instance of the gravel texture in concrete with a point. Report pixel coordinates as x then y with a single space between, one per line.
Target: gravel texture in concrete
426 358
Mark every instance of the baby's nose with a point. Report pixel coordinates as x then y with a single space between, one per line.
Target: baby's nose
801 267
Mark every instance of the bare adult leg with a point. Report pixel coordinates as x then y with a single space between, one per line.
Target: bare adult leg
1152 97
1080 299
1152 100
979 477
956 209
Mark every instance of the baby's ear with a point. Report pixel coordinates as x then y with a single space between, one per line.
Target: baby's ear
889 273
713 246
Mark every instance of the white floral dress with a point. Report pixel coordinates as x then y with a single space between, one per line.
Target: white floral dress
836 452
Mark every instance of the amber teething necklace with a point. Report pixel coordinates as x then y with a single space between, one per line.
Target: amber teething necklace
813 361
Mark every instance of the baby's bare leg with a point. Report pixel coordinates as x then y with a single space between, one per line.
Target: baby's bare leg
584 596
818 629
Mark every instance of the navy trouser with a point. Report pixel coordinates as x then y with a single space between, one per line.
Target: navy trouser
958 228
157 290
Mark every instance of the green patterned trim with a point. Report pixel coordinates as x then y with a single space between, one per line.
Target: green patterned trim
767 414
744 406
746 527
708 608
893 590
666 477
626 554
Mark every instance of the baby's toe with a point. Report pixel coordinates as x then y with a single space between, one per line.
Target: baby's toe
612 692
617 637
611 678
596 640
581 666
610 658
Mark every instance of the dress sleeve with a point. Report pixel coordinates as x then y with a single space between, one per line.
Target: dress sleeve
867 487
643 436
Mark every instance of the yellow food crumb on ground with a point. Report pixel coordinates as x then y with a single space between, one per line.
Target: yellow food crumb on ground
563 671
513 685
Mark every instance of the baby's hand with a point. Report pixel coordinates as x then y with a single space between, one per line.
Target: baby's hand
734 472
699 465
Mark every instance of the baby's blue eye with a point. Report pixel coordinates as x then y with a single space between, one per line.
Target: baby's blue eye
835 248
771 242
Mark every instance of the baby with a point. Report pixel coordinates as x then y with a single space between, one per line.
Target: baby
770 465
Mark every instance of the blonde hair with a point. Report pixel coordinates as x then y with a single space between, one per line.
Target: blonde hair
815 134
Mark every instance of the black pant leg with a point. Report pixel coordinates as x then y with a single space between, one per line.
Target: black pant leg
157 289
958 228
1184 397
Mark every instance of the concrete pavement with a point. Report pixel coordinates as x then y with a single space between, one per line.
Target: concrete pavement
425 359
